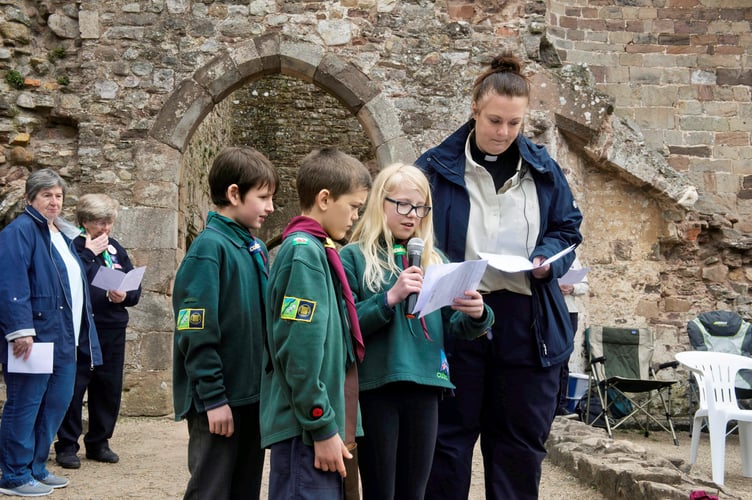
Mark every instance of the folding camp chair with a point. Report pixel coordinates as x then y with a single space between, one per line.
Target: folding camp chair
721 331
620 370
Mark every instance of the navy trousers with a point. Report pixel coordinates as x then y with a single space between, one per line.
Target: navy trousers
292 475
105 386
510 405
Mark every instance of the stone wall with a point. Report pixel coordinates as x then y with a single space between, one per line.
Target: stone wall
132 97
311 118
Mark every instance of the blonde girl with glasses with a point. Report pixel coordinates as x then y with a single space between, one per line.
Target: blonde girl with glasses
405 370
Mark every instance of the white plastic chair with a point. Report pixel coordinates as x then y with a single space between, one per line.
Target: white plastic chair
715 373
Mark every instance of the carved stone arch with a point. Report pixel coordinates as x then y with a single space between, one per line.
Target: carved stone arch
158 162
271 54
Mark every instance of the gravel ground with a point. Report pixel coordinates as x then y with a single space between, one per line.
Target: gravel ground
153 464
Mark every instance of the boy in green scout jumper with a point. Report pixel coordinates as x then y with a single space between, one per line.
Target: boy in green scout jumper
218 354
313 333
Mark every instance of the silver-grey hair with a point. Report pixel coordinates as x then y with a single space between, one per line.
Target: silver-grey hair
42 179
96 206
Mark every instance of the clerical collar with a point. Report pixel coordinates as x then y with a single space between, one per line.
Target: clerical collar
487 160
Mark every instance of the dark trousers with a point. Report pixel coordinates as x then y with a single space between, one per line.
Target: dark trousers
225 467
511 406
292 475
564 380
395 453
105 386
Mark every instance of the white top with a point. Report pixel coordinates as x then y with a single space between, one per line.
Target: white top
74 278
504 222
580 288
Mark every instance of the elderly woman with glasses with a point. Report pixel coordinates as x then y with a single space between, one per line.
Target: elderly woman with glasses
96 214
44 298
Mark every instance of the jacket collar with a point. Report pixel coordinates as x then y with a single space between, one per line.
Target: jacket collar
450 154
227 227
65 227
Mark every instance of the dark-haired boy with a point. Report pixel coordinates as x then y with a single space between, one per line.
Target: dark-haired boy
309 334
218 300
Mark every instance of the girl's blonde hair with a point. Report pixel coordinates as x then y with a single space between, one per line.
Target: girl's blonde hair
373 236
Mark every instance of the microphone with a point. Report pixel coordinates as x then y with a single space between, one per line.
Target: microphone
414 254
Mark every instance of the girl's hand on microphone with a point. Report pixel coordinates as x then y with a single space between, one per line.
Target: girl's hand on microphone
409 281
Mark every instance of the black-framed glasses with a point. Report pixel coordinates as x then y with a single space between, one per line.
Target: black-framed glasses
404 208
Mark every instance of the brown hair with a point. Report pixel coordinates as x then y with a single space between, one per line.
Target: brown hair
241 165
504 77
329 168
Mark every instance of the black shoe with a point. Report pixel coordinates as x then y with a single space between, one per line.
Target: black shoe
103 455
67 460
563 411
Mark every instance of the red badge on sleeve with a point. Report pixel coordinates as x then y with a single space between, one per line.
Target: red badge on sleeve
317 412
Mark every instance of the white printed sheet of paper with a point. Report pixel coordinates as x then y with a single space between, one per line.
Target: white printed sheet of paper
574 276
112 279
40 359
515 264
443 283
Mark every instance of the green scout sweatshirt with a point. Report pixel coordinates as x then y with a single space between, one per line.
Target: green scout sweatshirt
396 347
309 344
217 299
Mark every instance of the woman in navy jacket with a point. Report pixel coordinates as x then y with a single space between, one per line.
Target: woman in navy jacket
43 298
495 191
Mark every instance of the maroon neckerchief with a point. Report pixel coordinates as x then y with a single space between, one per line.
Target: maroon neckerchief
312 227
403 254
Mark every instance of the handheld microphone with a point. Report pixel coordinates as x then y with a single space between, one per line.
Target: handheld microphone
414 254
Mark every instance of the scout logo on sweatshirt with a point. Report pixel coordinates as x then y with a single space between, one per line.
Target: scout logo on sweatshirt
191 319
296 309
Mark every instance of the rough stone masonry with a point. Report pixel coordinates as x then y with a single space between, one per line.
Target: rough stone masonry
646 105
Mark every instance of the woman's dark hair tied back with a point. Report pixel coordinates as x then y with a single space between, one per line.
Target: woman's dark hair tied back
503 64
504 77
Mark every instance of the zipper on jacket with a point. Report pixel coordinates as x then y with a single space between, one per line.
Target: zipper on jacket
87 299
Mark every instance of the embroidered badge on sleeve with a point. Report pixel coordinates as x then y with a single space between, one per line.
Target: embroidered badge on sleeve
296 309
191 319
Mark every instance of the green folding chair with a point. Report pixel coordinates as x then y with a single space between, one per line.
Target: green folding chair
622 377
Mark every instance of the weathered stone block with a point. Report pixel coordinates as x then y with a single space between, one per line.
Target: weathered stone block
182 114
674 304
379 120
146 227
345 81
219 76
147 394
154 311
247 60
88 24
299 59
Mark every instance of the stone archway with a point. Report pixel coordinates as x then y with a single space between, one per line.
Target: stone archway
158 165
270 54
